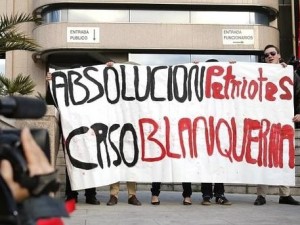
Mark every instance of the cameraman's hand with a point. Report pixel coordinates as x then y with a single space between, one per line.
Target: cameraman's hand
19 193
37 162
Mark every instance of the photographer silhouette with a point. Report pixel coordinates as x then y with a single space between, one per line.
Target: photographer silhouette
26 175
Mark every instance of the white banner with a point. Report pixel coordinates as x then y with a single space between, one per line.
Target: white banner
206 122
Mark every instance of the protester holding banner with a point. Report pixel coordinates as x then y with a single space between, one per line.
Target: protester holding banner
90 193
115 188
114 192
272 55
217 191
186 194
207 189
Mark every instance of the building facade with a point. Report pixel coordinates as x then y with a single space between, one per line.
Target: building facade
147 32
157 32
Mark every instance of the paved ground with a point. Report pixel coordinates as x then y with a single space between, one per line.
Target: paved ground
171 211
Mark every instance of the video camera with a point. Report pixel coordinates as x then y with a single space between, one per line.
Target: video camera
10 144
11 149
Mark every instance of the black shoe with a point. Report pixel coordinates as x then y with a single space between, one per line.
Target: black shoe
134 201
206 201
288 200
260 200
155 200
222 200
187 201
155 203
92 201
113 200
69 198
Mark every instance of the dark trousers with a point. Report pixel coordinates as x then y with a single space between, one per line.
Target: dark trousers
89 193
209 191
187 189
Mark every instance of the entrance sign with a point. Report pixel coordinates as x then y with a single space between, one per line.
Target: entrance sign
238 36
83 34
206 122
